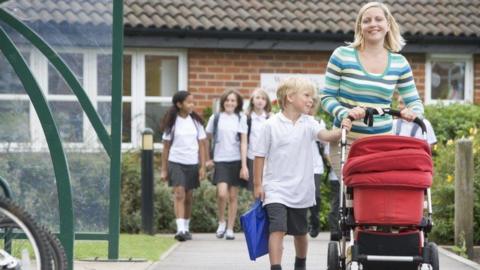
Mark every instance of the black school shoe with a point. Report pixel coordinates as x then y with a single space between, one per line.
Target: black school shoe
188 235
180 236
313 232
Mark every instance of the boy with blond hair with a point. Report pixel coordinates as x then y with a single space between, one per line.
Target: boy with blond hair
286 184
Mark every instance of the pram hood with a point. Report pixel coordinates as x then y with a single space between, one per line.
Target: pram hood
389 160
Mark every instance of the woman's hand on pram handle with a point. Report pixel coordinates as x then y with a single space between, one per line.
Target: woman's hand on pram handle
407 114
356 113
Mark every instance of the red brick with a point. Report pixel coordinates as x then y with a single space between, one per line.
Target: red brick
206 76
222 76
240 77
197 83
197 69
215 69
215 83
250 84
232 84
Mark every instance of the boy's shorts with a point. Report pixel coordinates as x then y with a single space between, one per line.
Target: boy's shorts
292 221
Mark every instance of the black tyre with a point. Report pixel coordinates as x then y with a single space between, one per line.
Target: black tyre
434 261
58 257
22 243
333 262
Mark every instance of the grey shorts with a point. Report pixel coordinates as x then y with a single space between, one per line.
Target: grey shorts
228 172
292 221
183 175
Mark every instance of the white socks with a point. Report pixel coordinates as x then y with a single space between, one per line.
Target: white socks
187 225
180 225
221 227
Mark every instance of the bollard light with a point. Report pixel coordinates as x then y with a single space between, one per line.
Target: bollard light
147 139
147 182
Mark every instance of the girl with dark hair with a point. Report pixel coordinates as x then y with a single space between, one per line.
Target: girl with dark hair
183 157
228 132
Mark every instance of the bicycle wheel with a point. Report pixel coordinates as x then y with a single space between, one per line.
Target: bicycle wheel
23 244
58 257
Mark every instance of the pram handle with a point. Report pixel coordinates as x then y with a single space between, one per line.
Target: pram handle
397 113
369 112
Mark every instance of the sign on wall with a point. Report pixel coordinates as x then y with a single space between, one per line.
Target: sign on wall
270 81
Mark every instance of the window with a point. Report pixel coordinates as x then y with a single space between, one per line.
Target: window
151 78
15 125
449 78
66 110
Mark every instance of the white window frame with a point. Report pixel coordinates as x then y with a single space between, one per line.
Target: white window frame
468 58
39 66
138 98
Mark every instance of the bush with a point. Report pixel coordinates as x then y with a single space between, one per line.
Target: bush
204 211
451 123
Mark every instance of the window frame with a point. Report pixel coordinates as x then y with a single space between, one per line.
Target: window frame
39 65
138 88
469 78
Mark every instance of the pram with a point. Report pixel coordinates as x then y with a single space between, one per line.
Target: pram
382 199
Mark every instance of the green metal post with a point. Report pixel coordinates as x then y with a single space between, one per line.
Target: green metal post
115 162
59 161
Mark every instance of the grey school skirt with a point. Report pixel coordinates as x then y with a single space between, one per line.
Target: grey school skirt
229 172
183 175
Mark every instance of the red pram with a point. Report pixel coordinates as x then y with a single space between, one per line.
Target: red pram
389 175
382 199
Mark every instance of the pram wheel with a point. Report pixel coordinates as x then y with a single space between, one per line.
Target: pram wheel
333 262
434 262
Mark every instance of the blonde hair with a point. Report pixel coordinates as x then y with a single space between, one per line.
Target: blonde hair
262 92
393 40
292 85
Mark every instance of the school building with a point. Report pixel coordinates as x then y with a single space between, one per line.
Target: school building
207 46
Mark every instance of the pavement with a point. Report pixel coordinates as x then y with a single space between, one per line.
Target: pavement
205 252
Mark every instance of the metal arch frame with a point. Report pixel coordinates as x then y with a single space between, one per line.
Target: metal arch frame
112 144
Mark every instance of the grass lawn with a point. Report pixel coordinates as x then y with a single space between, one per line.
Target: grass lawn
131 246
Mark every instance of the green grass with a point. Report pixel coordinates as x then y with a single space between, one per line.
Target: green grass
131 246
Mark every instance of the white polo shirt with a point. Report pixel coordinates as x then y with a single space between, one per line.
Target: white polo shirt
184 149
287 148
256 126
406 129
227 147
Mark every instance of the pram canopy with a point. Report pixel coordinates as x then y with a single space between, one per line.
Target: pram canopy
389 160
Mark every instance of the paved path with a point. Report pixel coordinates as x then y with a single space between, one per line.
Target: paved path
206 252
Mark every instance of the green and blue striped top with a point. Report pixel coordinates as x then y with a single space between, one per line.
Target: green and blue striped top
346 81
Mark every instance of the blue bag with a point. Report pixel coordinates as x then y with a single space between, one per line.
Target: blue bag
255 227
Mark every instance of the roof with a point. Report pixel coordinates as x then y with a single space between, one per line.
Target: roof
437 18
460 18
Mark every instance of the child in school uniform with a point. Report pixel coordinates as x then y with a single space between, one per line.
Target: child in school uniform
318 149
228 132
183 157
257 113
286 184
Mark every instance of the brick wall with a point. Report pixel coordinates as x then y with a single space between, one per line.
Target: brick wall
212 71
417 63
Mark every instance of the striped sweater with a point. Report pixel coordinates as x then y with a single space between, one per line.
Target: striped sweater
346 81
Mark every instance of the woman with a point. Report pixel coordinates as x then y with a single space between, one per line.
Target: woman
366 73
